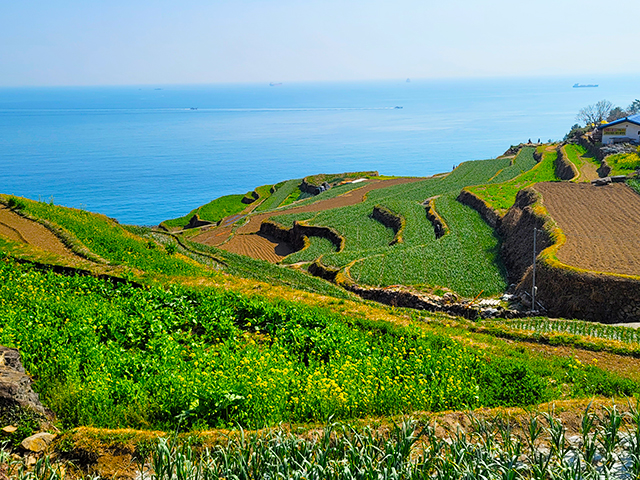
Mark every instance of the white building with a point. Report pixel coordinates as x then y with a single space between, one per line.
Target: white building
624 130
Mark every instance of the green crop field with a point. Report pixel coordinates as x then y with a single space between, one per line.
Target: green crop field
465 260
501 196
318 246
283 191
522 162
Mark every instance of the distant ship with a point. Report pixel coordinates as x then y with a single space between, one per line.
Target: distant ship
408 80
397 107
580 85
272 84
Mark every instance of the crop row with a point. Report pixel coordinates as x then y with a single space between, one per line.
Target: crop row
576 327
599 446
465 260
317 246
282 192
523 162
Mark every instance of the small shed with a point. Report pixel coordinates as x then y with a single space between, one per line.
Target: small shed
623 130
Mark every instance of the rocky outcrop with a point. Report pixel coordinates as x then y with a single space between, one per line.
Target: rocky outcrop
312 189
390 220
565 169
15 384
488 214
250 197
18 401
399 296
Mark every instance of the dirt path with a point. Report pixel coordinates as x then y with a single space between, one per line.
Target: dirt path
247 241
588 172
19 229
601 224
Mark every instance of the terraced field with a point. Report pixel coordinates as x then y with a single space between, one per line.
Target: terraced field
601 224
267 249
464 260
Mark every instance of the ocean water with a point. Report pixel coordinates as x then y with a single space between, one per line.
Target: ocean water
141 154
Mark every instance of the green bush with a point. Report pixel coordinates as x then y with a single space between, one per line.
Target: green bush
510 383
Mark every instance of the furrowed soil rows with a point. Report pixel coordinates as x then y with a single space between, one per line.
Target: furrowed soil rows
258 246
19 229
602 225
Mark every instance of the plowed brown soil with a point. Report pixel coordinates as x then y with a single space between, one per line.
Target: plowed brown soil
19 229
258 246
602 225
247 241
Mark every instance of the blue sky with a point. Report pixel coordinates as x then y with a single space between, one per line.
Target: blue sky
114 42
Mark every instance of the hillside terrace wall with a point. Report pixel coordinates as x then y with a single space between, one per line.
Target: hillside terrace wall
440 228
398 297
486 212
564 291
390 220
297 236
565 169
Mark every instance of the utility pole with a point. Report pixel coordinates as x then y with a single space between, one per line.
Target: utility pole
533 273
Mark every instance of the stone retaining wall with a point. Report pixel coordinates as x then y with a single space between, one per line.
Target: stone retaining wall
440 228
488 214
563 291
390 220
297 235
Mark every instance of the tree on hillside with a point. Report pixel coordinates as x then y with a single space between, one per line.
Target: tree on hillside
634 108
595 113
616 113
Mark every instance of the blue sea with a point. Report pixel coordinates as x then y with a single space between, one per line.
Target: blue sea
143 154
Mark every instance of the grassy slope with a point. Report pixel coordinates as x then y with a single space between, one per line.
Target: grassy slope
419 259
501 196
109 240
213 211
